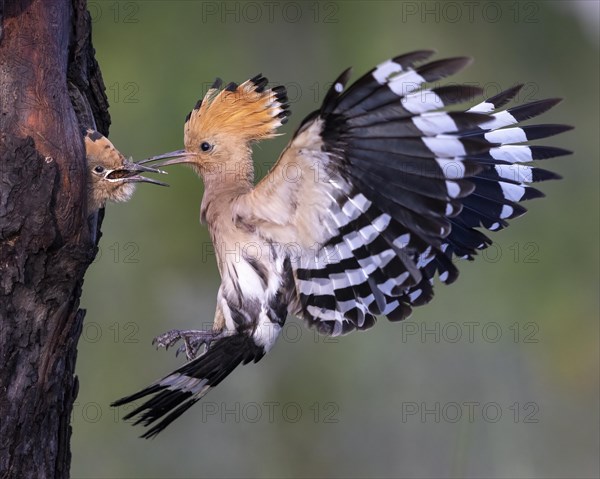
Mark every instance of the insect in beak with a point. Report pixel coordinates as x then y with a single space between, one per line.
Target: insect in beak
130 173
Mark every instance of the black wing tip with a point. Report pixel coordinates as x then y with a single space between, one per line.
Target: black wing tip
402 312
505 96
457 93
553 101
459 62
558 127
548 101
443 68
535 132
546 152
335 92
344 77
413 57
513 90
544 104
540 174
532 193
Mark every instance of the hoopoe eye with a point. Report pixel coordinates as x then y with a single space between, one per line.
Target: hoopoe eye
205 146
99 169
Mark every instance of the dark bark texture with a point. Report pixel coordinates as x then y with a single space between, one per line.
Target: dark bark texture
50 87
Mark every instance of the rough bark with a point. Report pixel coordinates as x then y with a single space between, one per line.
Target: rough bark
50 86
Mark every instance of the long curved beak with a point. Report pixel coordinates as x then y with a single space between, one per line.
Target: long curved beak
138 167
129 172
177 157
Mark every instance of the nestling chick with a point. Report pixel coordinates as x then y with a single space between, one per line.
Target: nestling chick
111 176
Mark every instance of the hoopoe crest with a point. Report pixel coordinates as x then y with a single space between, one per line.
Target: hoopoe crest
405 186
246 112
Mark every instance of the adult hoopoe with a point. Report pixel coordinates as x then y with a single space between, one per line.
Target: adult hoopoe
376 194
111 176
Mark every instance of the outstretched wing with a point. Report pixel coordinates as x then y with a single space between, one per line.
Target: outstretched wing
383 187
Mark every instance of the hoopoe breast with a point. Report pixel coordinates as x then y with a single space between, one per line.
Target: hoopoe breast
254 285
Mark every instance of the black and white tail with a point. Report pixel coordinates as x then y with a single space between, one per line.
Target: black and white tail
413 182
178 391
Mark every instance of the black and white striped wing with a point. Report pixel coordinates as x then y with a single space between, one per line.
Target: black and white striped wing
408 185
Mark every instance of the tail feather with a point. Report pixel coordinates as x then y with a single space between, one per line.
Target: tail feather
178 391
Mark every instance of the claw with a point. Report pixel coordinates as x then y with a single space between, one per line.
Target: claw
192 340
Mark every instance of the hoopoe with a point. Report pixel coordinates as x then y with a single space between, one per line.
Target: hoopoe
376 194
111 176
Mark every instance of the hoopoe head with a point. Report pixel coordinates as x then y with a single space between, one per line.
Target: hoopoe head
223 125
111 176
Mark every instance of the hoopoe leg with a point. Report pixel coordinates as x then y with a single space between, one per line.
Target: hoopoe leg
193 339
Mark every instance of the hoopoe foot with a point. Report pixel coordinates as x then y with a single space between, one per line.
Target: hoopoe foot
192 340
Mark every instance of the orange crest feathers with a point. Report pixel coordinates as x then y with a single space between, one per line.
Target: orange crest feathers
248 111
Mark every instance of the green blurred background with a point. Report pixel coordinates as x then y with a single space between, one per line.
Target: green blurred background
497 377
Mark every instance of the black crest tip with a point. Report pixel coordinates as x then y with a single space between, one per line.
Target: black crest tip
93 134
260 82
231 87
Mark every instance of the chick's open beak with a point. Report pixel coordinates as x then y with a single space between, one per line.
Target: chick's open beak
130 173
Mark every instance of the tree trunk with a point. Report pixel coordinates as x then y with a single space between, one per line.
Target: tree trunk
50 86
